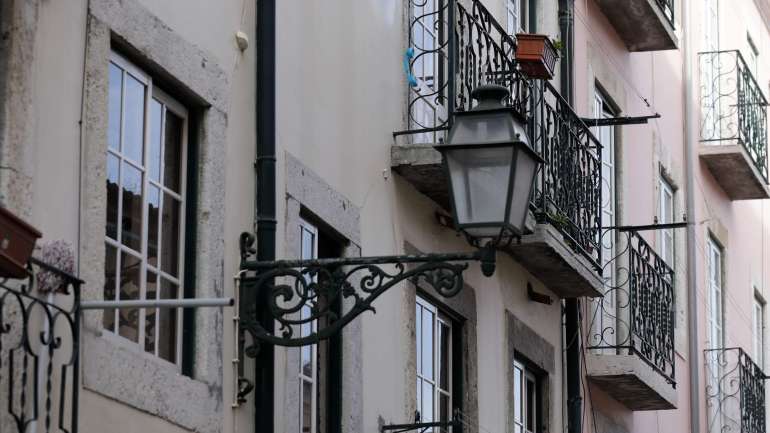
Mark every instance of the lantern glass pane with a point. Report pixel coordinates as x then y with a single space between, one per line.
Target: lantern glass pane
480 186
524 173
495 127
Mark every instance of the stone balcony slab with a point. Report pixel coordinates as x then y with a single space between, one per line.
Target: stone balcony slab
734 170
641 24
631 381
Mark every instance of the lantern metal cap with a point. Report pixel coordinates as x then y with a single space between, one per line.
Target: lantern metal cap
490 96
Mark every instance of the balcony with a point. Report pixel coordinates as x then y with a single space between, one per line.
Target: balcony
643 25
733 125
562 249
735 392
631 335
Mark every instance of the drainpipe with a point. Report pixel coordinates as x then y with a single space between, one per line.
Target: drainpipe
571 305
690 135
265 202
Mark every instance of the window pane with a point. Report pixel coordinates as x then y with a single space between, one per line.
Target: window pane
427 402
153 211
172 152
418 333
167 322
517 397
132 207
113 190
530 404
150 314
427 344
133 135
156 135
130 275
110 267
419 395
307 361
170 230
115 99
308 242
443 356
443 407
307 406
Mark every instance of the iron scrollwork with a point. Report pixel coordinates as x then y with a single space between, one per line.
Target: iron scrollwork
735 392
38 365
636 314
301 295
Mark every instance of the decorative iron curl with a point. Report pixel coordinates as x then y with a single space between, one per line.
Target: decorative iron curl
312 300
33 329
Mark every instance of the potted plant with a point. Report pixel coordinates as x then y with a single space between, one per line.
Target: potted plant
17 240
536 55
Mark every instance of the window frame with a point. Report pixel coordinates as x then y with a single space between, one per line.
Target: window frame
517 13
313 379
527 375
666 215
758 329
439 318
151 92
715 284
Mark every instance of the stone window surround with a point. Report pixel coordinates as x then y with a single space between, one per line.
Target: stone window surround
461 307
307 192
143 381
523 341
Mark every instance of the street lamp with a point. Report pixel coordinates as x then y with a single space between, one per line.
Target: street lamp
490 169
490 166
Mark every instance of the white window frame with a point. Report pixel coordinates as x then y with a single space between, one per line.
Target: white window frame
439 319
516 13
151 92
524 376
312 378
714 263
753 58
758 329
666 215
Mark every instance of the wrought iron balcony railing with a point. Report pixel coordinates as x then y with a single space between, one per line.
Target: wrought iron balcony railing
568 189
734 108
39 362
735 392
667 7
636 314
458 47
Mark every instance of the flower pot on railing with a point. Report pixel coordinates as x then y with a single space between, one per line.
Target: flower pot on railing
536 55
17 240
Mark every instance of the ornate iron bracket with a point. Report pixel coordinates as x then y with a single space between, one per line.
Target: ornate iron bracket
312 300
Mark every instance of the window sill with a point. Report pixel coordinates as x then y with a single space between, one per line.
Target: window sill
119 370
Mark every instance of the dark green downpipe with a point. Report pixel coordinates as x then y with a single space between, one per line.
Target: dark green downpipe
265 202
571 305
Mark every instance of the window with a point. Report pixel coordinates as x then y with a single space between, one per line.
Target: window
711 108
434 364
666 216
758 319
146 146
525 399
715 317
517 13
308 371
320 367
753 57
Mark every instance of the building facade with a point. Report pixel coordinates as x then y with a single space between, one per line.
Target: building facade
143 137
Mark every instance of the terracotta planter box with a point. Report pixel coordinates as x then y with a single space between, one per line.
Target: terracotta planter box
536 55
17 240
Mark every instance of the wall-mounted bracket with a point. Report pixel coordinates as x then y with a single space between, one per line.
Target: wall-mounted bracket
299 293
619 121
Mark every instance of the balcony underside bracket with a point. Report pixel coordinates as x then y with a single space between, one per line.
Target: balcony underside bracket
621 120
